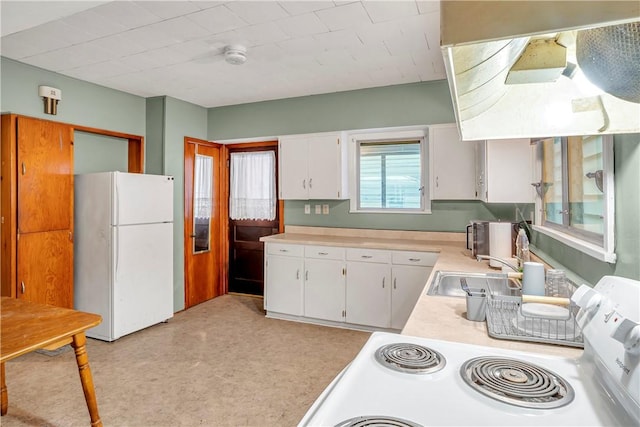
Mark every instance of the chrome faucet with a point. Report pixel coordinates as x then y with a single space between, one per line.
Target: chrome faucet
500 260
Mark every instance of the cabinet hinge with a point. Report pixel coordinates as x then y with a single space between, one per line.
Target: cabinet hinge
338 140
338 194
344 271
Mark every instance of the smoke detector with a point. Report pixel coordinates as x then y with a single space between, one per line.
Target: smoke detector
235 54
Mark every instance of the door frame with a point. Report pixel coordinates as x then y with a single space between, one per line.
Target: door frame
224 211
221 217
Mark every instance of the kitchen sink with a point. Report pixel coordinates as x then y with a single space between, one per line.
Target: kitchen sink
447 283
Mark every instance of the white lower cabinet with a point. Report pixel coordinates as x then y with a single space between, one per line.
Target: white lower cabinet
284 276
324 284
368 299
408 282
372 288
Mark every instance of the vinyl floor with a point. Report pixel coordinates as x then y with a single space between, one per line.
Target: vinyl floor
220 363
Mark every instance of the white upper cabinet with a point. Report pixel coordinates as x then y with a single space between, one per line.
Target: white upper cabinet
452 164
505 171
312 167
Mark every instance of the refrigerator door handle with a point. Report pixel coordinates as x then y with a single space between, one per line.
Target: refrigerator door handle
116 244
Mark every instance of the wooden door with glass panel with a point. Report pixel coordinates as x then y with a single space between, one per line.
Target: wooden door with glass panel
202 221
254 212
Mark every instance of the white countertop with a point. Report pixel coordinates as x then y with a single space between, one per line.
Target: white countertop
436 317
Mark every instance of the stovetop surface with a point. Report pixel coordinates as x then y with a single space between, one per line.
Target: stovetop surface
367 388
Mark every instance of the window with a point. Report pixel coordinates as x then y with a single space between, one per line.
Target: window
390 173
576 192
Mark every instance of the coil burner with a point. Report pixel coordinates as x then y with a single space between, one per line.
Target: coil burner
375 421
517 382
410 358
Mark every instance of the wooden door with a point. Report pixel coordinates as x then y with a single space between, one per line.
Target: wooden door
202 226
246 251
45 268
45 176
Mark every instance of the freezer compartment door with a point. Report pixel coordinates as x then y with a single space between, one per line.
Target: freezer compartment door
142 199
143 276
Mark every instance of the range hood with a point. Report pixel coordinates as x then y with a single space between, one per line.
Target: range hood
529 69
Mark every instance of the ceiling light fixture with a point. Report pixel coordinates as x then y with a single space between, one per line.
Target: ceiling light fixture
235 54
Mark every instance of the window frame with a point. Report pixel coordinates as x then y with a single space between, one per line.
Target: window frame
581 240
391 136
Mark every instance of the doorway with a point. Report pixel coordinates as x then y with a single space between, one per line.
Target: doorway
257 215
202 221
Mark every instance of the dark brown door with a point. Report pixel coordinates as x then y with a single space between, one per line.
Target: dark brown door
246 251
202 192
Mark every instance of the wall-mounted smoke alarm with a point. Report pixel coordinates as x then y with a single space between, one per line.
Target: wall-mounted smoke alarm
51 96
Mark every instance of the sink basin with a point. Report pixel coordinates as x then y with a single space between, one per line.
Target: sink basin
447 283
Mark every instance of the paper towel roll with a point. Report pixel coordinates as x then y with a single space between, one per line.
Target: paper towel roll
499 242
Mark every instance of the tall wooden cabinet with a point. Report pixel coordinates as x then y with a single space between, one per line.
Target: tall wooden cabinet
37 210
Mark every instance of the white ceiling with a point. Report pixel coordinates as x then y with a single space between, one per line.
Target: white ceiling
295 48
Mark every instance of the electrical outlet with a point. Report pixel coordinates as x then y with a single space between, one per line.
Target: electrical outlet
307 209
325 209
318 209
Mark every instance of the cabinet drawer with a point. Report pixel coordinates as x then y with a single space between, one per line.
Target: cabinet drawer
324 252
426 259
368 255
285 249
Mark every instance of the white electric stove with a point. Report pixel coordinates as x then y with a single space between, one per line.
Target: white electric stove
399 380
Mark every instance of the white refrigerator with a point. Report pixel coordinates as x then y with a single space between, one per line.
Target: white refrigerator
123 250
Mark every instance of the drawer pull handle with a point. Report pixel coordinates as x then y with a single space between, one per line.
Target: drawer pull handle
323 253
284 250
414 259
366 256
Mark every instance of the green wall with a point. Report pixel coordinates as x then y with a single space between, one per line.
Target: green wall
178 119
82 103
402 105
99 153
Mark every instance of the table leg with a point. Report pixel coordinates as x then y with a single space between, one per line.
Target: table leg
4 400
79 345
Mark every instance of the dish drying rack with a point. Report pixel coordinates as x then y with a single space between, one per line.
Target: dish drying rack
505 319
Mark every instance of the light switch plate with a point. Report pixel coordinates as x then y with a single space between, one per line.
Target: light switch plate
325 209
307 209
318 209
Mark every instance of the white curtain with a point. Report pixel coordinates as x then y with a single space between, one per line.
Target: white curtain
202 187
252 193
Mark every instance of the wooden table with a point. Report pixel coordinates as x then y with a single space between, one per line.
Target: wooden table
28 326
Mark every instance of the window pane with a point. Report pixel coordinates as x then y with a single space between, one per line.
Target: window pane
552 179
586 198
202 202
390 175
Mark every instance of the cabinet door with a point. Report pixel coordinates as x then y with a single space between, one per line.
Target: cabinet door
324 167
509 171
368 296
453 164
324 289
481 170
45 268
45 176
408 282
283 285
293 172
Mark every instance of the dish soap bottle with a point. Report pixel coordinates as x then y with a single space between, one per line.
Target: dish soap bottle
522 248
